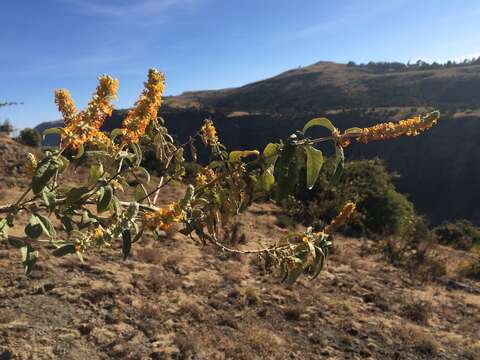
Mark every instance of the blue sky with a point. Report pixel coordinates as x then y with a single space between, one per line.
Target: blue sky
209 44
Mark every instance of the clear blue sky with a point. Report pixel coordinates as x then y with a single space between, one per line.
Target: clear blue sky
209 44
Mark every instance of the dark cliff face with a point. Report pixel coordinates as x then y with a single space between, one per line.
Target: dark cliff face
438 170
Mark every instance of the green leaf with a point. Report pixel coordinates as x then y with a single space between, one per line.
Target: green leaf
4 228
64 250
115 132
139 193
67 224
47 226
144 173
188 198
29 258
48 198
270 153
87 219
193 150
339 164
319 262
236 156
52 131
75 194
96 172
138 153
104 198
126 243
266 181
96 154
45 171
319 122
33 229
215 164
116 206
64 163
314 164
80 152
16 242
287 169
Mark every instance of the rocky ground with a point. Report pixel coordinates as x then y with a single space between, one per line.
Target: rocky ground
175 299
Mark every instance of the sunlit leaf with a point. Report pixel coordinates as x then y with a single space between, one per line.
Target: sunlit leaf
319 122
314 164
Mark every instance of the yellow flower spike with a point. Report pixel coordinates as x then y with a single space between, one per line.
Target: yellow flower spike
85 126
209 133
65 105
390 130
146 107
31 164
341 218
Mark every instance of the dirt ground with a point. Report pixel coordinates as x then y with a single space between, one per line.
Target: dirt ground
176 299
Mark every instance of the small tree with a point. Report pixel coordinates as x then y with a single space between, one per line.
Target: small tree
92 215
6 127
30 137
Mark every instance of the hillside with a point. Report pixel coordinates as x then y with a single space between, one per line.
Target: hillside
438 169
176 299
327 85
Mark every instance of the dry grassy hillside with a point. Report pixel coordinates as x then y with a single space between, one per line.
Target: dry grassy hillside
328 85
174 299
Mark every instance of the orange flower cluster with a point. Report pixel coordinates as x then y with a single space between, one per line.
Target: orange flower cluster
146 107
163 218
209 133
390 130
205 176
65 105
98 232
341 218
85 126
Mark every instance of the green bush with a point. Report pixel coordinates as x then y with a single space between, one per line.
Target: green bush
380 208
461 234
30 137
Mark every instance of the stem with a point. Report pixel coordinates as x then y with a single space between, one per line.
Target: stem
215 241
157 191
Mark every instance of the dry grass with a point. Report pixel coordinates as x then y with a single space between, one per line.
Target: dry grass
193 308
422 342
418 311
149 255
251 295
263 342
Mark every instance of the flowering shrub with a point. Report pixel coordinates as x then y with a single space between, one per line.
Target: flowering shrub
92 215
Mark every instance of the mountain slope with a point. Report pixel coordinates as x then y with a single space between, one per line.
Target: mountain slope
327 85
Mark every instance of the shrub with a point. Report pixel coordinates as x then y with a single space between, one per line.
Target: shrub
30 137
461 234
93 216
6 127
380 208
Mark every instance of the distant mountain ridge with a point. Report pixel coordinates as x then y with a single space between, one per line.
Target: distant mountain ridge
328 85
438 169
